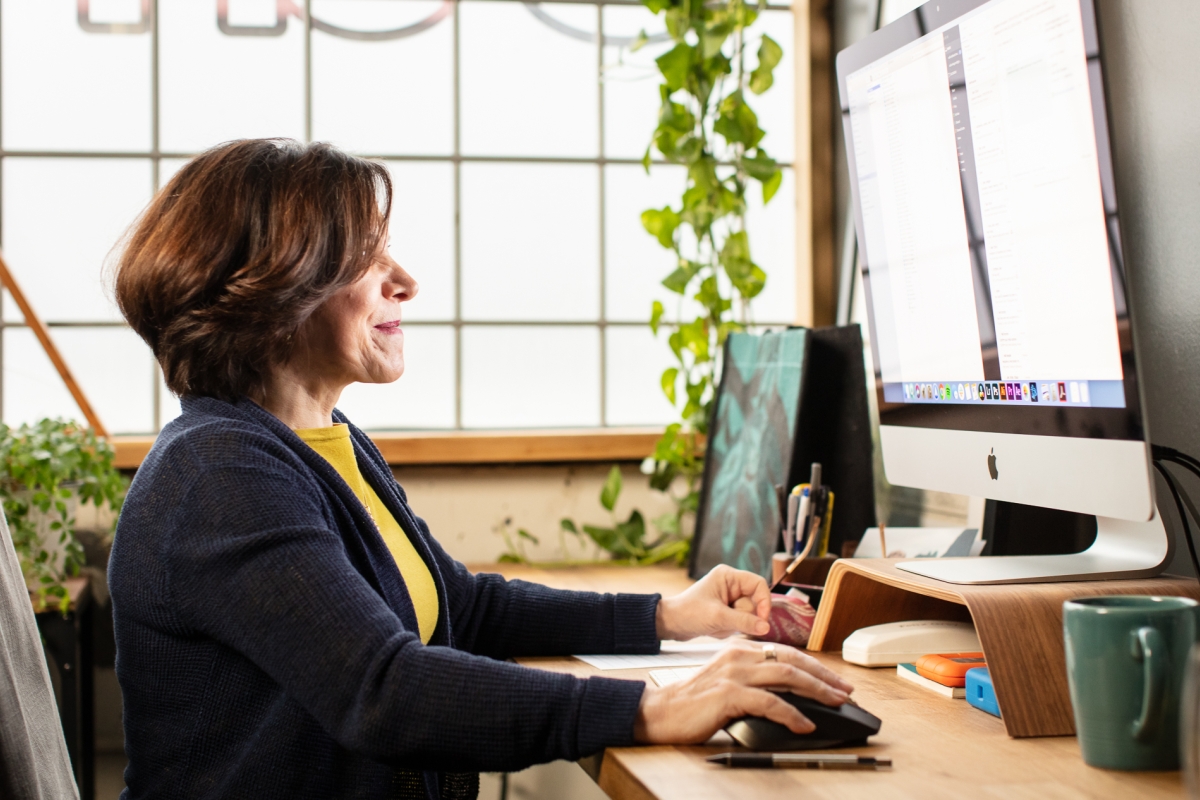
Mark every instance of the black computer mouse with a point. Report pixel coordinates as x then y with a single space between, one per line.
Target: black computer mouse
837 726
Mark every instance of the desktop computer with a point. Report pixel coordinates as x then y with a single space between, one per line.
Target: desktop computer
985 208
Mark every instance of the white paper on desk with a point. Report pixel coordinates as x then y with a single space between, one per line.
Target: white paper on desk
671 654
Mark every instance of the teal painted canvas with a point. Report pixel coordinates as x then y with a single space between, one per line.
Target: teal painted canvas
750 444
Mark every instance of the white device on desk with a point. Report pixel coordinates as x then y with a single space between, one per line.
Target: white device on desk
904 642
989 239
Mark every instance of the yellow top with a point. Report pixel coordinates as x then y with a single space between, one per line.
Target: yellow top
334 445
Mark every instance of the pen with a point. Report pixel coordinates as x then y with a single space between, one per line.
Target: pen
801 518
798 761
789 528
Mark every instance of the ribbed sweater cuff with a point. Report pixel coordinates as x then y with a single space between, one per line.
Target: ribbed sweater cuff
607 714
634 630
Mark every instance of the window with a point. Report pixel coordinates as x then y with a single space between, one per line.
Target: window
514 138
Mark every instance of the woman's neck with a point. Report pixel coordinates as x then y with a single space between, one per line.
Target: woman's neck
299 402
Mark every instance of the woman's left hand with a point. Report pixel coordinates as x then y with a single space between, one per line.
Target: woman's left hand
724 602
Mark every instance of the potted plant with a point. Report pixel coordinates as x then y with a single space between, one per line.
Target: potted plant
46 470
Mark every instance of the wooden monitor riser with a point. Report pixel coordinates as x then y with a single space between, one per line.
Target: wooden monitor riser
1019 627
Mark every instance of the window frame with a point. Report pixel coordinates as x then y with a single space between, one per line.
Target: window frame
466 445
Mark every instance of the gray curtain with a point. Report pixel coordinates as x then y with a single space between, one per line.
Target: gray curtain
33 754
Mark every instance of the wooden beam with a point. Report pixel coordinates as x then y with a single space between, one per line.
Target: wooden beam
802 169
475 447
822 105
43 335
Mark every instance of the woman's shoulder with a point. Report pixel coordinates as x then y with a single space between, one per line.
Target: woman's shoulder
212 434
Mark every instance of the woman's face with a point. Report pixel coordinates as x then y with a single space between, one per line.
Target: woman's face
355 337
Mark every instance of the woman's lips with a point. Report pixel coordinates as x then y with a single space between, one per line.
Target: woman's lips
390 328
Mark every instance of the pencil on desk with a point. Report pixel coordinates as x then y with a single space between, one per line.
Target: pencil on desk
798 761
882 541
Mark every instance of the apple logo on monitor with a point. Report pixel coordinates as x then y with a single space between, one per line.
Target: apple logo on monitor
995 473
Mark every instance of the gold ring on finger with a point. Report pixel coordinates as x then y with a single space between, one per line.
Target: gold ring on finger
768 651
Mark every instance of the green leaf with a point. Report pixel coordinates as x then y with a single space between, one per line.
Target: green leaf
743 273
656 6
737 122
604 537
656 313
771 186
675 341
674 65
710 297
631 536
639 41
714 38
761 166
668 379
769 55
661 224
524 534
667 524
695 338
568 525
646 161
678 280
612 488
677 23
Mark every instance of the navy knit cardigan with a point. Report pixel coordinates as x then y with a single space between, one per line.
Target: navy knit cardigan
267 646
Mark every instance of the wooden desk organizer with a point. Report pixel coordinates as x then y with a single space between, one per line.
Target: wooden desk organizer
1019 627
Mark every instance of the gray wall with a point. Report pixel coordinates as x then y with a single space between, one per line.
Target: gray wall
1151 52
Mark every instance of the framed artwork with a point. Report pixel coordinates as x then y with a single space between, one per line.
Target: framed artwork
750 442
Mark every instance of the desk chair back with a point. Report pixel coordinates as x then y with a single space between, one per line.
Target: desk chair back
33 753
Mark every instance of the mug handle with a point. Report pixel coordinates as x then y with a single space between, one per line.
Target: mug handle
1149 648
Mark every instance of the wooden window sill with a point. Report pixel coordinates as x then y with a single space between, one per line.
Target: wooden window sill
475 447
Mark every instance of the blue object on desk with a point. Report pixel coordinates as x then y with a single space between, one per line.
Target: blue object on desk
980 692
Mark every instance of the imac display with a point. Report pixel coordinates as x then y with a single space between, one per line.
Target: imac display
987 224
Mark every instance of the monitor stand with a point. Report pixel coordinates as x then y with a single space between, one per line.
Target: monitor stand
1122 549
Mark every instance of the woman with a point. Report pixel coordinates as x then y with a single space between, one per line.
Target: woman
286 625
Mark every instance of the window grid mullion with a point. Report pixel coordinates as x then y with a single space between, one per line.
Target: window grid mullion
600 151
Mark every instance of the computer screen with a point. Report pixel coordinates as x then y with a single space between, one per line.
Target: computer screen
987 220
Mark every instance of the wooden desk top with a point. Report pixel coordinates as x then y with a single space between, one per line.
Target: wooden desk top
941 748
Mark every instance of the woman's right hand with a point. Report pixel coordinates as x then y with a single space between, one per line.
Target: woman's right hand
737 683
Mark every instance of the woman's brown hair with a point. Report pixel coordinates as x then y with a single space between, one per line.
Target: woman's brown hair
237 251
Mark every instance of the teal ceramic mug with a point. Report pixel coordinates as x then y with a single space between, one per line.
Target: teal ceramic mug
1126 659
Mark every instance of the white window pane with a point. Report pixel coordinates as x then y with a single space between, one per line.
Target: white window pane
776 108
530 242
167 167
389 96
773 247
62 217
635 362
216 86
424 395
531 377
422 231
67 89
169 406
636 262
112 365
631 79
528 89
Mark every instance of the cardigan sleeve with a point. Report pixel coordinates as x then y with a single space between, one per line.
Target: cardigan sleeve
253 563
501 619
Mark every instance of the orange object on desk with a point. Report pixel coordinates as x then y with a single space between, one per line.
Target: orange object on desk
949 669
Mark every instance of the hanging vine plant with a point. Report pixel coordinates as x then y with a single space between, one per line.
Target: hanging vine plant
706 124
